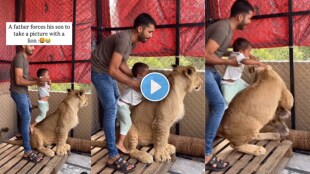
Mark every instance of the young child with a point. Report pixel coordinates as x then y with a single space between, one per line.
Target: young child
43 96
129 98
232 83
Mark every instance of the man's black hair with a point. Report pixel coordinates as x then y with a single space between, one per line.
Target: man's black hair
240 7
144 19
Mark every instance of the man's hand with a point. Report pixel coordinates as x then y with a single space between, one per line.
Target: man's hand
232 62
136 85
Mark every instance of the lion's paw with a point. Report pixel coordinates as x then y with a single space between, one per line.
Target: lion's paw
146 159
170 149
61 150
48 152
259 151
162 156
67 147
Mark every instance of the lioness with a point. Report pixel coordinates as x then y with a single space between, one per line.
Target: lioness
55 127
253 108
151 121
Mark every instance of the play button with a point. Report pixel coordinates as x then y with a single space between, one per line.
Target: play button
155 86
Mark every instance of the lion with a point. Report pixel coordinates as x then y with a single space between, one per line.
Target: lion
151 121
55 127
277 124
253 108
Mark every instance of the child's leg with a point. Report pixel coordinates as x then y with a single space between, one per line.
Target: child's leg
43 108
125 124
227 92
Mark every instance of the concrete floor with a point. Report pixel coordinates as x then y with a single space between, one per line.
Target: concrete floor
298 164
80 164
76 164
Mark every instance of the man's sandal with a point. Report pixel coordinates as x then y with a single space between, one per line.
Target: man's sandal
121 165
32 157
219 165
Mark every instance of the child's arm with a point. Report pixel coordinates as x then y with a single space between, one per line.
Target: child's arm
252 62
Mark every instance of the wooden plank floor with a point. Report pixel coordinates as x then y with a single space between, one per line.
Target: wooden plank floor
100 156
273 162
11 161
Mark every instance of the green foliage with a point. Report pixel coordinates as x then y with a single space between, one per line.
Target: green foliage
282 54
160 63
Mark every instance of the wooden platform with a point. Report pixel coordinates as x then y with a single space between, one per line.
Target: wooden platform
100 156
273 162
11 161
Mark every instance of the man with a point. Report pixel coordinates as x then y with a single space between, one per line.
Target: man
109 66
218 39
20 80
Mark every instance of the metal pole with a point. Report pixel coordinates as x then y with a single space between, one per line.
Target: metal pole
177 49
99 20
291 57
73 50
73 44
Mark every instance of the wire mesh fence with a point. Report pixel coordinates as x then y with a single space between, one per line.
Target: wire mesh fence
280 38
178 37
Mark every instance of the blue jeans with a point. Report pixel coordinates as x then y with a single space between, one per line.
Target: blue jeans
23 106
108 93
216 105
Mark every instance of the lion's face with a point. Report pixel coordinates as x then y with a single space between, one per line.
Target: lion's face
191 77
261 72
80 95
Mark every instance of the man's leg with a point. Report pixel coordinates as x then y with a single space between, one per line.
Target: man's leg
217 107
22 105
105 91
108 93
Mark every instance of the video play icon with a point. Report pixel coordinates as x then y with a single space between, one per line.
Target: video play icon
155 86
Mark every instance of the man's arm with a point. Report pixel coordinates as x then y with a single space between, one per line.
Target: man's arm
19 80
125 69
212 59
116 73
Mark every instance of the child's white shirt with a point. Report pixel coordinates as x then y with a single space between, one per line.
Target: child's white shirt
44 90
234 72
130 96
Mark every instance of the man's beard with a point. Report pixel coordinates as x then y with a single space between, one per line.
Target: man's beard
142 38
241 25
28 52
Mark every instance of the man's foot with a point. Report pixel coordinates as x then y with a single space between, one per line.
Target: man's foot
122 148
32 157
120 164
213 164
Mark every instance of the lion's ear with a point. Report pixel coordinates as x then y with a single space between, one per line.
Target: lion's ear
189 71
69 90
80 93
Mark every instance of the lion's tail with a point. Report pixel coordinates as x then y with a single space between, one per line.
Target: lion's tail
15 142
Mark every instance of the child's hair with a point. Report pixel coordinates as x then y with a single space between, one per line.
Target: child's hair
241 44
41 72
138 67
